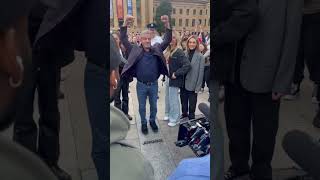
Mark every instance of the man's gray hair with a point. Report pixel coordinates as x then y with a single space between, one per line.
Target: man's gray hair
144 32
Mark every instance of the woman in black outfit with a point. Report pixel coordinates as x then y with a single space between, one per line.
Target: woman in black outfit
124 83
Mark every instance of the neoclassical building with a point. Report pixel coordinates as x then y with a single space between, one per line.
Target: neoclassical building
189 14
186 14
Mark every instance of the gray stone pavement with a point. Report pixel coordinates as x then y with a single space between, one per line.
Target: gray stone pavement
164 156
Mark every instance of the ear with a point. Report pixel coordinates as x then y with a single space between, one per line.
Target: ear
113 78
8 52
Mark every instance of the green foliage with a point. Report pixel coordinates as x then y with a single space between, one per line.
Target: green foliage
165 8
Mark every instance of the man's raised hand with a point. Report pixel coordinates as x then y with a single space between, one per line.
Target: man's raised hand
128 21
165 21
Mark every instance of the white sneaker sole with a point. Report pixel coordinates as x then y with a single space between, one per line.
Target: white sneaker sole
172 124
166 118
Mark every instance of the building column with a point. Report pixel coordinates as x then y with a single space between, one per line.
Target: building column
125 8
151 5
143 14
115 15
134 12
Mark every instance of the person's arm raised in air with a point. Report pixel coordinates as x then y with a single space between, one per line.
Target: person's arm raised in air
168 33
123 33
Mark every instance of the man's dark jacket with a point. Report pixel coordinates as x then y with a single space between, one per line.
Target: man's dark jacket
180 66
75 25
55 32
233 20
136 53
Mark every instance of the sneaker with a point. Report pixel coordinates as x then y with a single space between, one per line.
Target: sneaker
183 116
172 124
316 120
144 128
191 116
154 126
294 93
166 118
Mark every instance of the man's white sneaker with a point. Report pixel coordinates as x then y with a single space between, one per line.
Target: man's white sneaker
172 124
166 118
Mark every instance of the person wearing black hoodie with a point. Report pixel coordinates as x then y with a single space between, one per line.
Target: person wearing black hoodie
124 82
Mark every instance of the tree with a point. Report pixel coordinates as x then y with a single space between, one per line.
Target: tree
165 8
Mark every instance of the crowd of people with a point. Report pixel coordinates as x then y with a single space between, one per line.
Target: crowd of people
259 54
182 58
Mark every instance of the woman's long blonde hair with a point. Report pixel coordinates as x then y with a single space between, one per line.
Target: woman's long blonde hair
170 50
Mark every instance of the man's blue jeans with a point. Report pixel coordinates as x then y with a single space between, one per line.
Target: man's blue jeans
144 91
96 92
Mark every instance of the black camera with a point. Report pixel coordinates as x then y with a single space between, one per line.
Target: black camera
196 134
